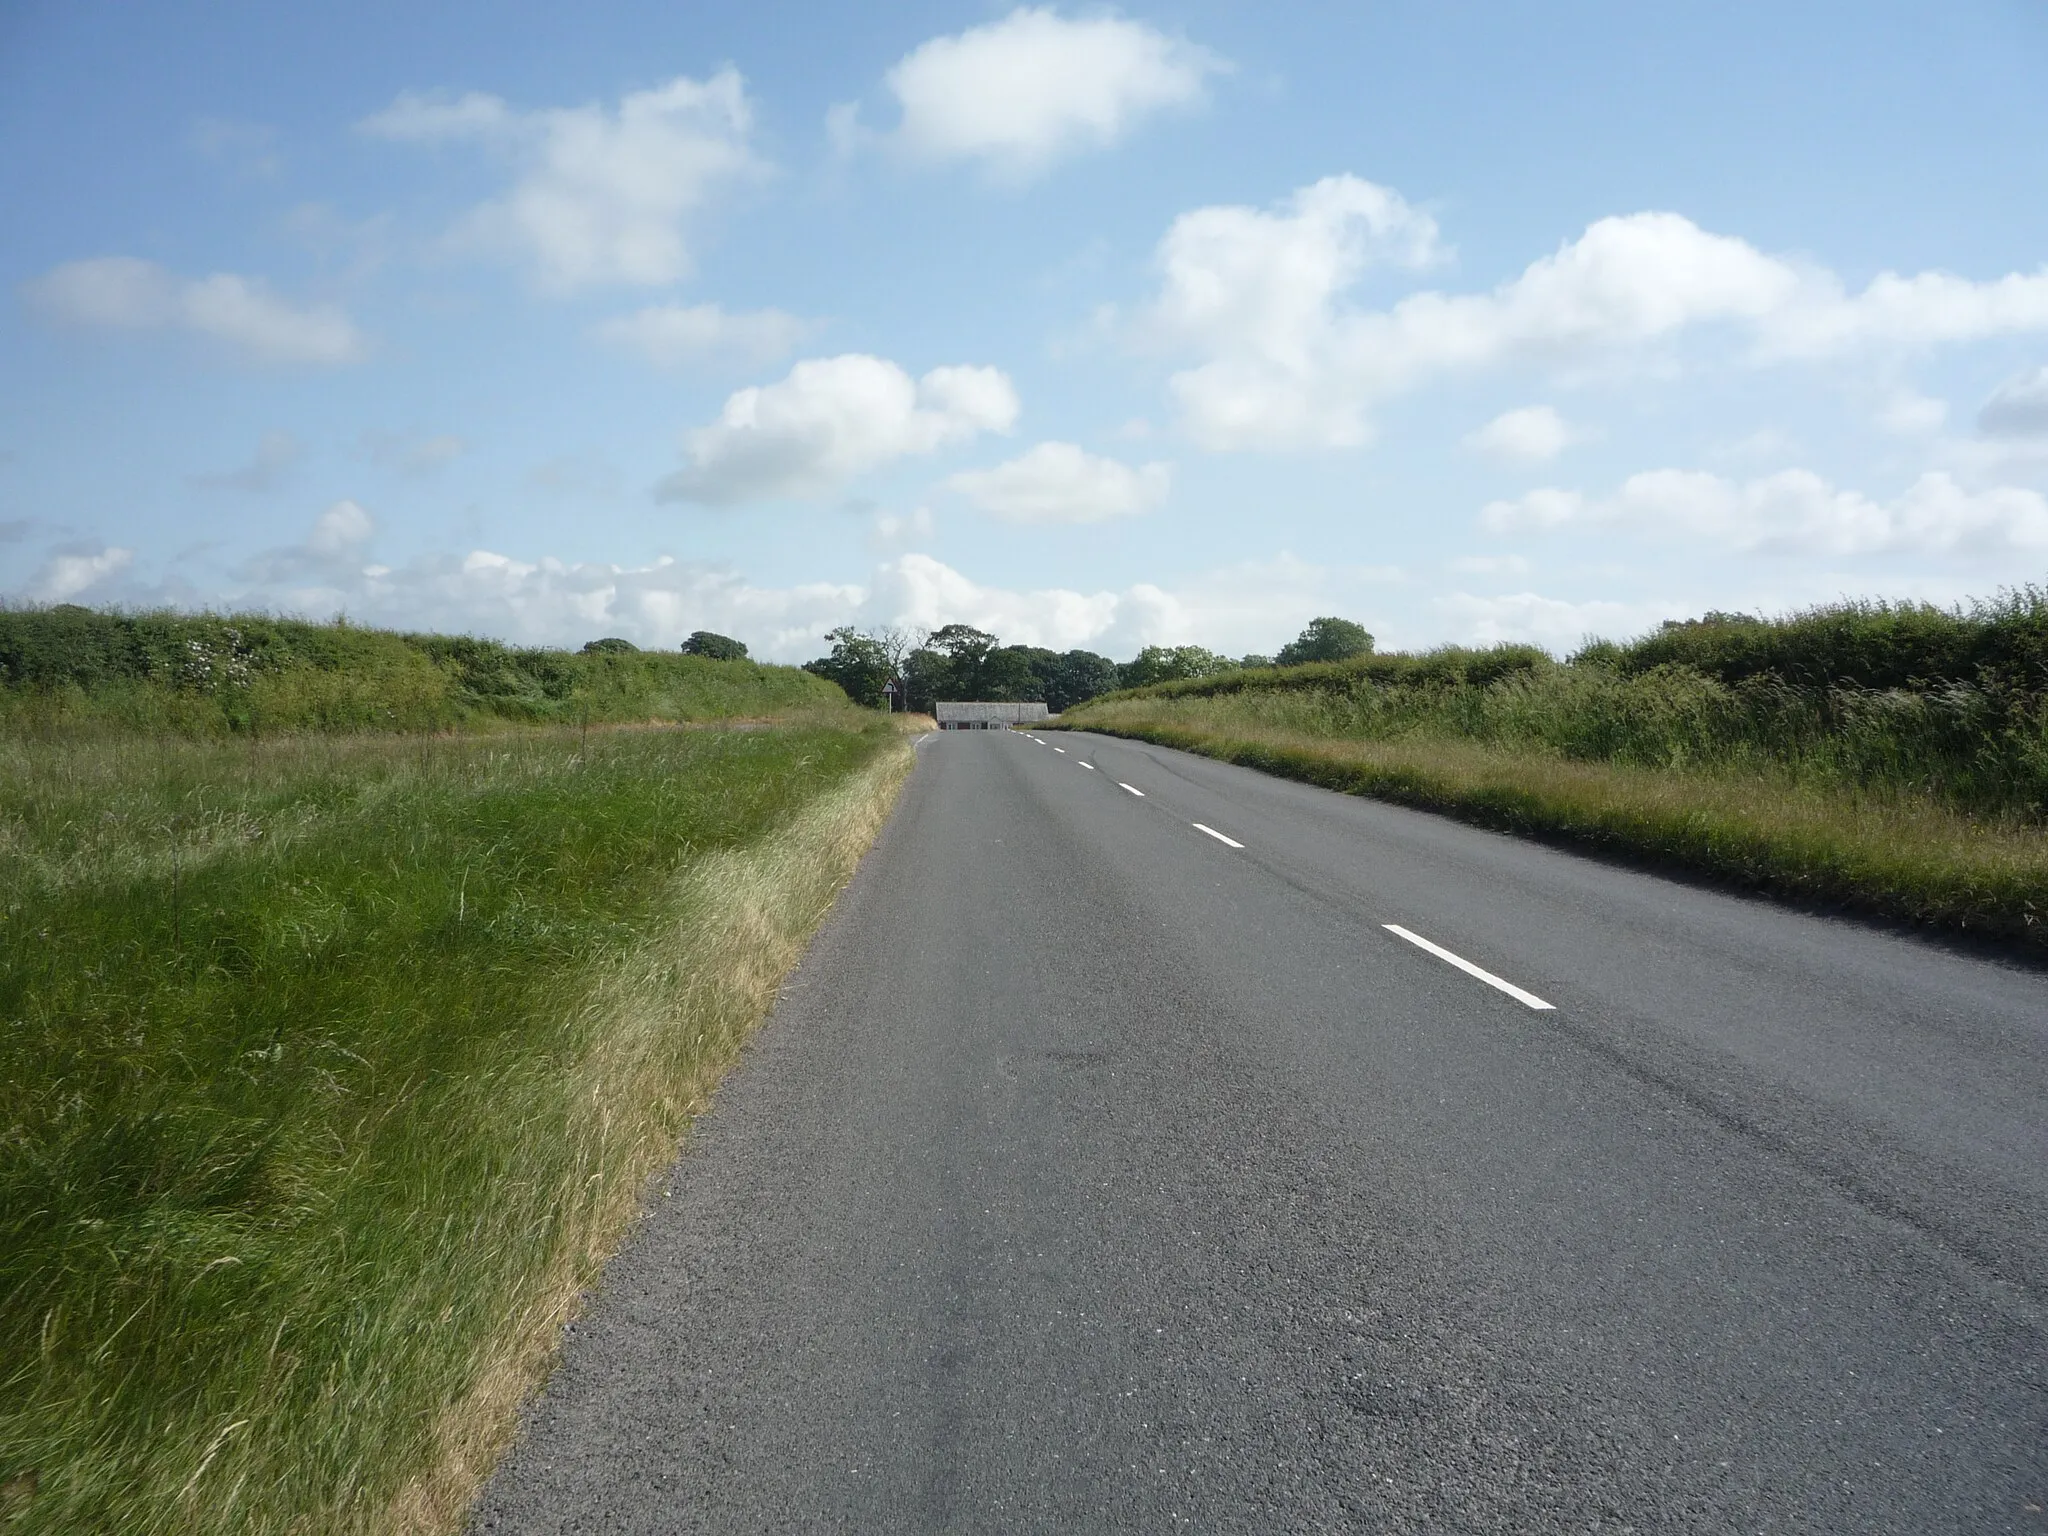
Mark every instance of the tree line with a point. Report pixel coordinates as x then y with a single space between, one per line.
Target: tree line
916 669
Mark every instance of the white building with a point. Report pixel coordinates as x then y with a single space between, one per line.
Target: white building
987 717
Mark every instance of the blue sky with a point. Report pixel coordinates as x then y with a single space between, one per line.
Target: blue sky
1092 327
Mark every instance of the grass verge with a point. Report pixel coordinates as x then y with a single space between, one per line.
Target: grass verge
1885 854
332 1069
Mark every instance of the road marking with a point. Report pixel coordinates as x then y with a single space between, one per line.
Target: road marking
1529 998
1231 841
1089 766
1120 784
1061 750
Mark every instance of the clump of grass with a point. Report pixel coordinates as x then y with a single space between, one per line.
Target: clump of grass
331 1068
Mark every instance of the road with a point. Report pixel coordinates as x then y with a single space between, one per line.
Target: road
1102 1172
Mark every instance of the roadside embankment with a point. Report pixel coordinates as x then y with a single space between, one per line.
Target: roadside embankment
334 1067
1889 760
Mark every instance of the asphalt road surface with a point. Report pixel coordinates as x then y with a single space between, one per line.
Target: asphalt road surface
1124 1157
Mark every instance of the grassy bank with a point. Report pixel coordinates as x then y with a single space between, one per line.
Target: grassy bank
330 1068
1888 758
67 669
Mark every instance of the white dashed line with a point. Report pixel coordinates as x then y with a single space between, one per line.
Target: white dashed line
1528 998
1089 766
1061 750
1229 841
1120 784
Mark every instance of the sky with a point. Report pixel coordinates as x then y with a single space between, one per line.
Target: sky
1090 327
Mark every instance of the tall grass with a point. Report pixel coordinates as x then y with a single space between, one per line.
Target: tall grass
69 668
329 1070
1889 756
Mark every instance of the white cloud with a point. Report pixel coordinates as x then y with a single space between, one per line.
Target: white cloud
1529 435
894 529
668 334
1258 300
68 575
1255 290
327 561
1550 622
1909 415
2018 407
1794 510
1020 93
603 194
831 419
126 293
1059 483
277 454
546 601
341 531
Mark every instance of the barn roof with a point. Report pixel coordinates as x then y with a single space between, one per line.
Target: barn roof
1010 714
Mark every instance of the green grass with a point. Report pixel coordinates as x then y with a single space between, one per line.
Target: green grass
1887 757
67 669
330 1068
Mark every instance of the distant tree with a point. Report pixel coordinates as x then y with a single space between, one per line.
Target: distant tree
1076 676
1326 640
611 645
1008 676
718 647
858 664
1172 664
1255 660
948 665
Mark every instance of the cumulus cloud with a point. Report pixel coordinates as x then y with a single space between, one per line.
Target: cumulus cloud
831 419
239 313
1059 483
547 601
73 573
668 334
328 560
2018 407
1023 92
1258 299
1530 435
1553 623
1793 511
603 194
277 454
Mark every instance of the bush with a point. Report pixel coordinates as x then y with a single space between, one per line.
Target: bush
717 647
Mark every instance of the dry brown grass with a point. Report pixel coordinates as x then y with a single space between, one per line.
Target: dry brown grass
1887 854
663 1029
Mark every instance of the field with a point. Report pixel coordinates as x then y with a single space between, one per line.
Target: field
1892 760
332 1066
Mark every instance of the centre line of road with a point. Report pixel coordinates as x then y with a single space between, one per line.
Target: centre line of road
1528 998
1089 766
1120 784
1061 750
1231 841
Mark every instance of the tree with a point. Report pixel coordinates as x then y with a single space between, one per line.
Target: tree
1254 660
1074 677
948 665
611 645
718 647
1172 664
1008 676
858 664
1326 640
